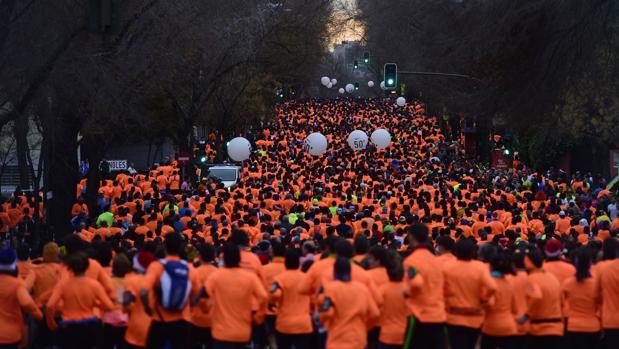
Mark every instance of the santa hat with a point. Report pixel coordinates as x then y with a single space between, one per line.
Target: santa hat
553 248
142 260
8 259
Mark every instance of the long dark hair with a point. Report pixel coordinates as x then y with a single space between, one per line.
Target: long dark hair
582 261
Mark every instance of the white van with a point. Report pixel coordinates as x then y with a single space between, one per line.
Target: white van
228 174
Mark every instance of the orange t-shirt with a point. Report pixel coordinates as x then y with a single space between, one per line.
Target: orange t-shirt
199 317
519 283
379 275
13 298
500 315
41 281
352 310
293 308
139 322
468 287
609 286
561 269
77 297
544 302
232 291
427 301
270 271
583 305
96 272
394 313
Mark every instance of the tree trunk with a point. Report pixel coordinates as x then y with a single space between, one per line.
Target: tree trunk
20 131
62 174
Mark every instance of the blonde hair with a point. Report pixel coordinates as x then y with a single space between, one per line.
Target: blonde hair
51 253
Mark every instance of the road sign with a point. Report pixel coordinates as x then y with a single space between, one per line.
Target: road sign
117 165
183 158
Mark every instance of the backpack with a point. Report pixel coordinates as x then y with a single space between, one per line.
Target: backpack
174 285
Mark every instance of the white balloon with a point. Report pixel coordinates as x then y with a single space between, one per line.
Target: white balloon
382 85
334 82
329 85
341 90
325 80
350 88
401 101
316 144
381 138
357 140
239 149
370 83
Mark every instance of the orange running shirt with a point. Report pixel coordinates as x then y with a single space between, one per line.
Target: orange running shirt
232 291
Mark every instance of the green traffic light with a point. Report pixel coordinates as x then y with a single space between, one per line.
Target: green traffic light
203 159
390 82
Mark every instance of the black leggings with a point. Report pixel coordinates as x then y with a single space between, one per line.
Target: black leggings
299 341
201 337
113 337
610 340
175 333
461 337
9 346
498 342
581 340
424 335
81 336
544 342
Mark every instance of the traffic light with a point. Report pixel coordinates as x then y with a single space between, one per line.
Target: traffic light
355 64
366 57
356 86
391 76
201 152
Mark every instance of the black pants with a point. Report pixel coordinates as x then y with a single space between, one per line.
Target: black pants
424 335
388 346
498 342
581 340
39 334
544 342
9 346
461 337
81 336
259 335
610 339
175 333
113 337
228 345
299 341
201 337
373 335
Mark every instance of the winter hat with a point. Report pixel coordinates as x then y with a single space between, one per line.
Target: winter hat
553 248
142 260
8 259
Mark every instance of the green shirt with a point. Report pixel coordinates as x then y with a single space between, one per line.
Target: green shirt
107 217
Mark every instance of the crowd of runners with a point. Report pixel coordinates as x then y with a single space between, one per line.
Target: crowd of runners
411 246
